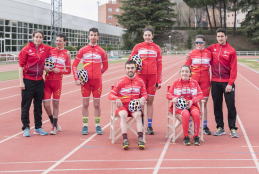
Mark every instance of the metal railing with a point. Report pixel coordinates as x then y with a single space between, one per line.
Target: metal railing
239 53
111 54
9 57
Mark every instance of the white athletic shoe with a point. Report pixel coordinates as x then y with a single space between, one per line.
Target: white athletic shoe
53 131
58 128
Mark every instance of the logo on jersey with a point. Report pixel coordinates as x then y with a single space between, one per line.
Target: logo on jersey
131 91
86 64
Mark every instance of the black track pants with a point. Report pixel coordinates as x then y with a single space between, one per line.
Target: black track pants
33 90
217 91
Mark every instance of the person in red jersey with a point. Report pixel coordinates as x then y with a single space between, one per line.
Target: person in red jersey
125 90
190 90
224 73
93 56
53 80
200 61
151 72
31 65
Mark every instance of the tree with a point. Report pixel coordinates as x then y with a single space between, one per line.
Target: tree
188 17
189 42
178 10
251 22
234 8
141 13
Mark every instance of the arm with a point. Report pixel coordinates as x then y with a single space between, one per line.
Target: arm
68 67
170 94
113 95
159 68
104 62
22 86
134 51
199 94
233 68
75 64
189 60
23 58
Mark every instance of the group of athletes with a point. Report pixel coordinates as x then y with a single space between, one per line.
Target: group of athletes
139 84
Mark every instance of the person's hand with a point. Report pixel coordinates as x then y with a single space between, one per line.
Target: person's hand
189 104
158 86
174 100
79 82
142 101
228 88
119 103
22 86
56 70
47 69
187 56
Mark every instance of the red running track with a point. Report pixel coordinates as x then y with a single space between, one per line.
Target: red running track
71 152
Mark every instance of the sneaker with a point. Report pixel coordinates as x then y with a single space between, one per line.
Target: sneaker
99 130
141 144
219 132
126 144
40 131
186 141
26 132
84 130
150 130
206 131
196 141
53 131
58 128
233 133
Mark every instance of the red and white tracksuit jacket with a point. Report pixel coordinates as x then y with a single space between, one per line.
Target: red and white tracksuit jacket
128 89
224 64
93 56
188 89
61 61
32 60
200 61
151 57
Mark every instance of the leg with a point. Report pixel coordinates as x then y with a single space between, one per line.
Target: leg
123 117
195 113
205 109
137 116
185 122
27 96
37 102
97 109
55 111
85 111
47 107
230 102
47 98
217 96
150 107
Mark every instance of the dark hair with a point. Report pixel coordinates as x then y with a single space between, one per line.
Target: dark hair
94 30
38 31
188 67
221 30
200 37
130 62
148 29
61 35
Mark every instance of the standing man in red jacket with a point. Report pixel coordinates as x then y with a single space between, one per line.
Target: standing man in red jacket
93 57
224 73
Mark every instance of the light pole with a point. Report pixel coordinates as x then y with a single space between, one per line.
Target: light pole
98 2
169 43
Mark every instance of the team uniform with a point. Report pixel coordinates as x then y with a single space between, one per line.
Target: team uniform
93 56
200 61
224 72
127 89
151 72
53 81
190 90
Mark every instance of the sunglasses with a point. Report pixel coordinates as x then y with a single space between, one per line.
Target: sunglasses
199 42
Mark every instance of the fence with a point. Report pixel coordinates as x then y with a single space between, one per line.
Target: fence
111 54
9 57
239 53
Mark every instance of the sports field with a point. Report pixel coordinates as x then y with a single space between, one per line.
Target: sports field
71 152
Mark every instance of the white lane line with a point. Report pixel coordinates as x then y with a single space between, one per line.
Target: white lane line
116 169
10 111
10 96
86 141
248 81
248 68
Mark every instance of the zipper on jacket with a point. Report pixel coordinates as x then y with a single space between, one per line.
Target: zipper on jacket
219 63
200 67
131 90
92 62
38 61
147 56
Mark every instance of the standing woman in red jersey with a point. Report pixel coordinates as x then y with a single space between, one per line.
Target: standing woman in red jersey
151 72
31 65
200 61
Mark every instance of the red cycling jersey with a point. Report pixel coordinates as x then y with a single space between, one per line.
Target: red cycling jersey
32 60
93 56
188 89
200 61
151 57
128 89
224 64
61 61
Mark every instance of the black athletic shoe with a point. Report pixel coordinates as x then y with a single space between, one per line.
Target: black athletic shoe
196 141
141 144
186 141
206 131
150 130
126 144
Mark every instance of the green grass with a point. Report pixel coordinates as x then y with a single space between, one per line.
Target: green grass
11 75
251 63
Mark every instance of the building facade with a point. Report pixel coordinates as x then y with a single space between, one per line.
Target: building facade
240 17
19 18
106 11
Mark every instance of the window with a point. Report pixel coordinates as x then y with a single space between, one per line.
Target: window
117 25
117 10
114 2
238 21
228 15
228 23
109 9
109 17
109 24
232 23
232 14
